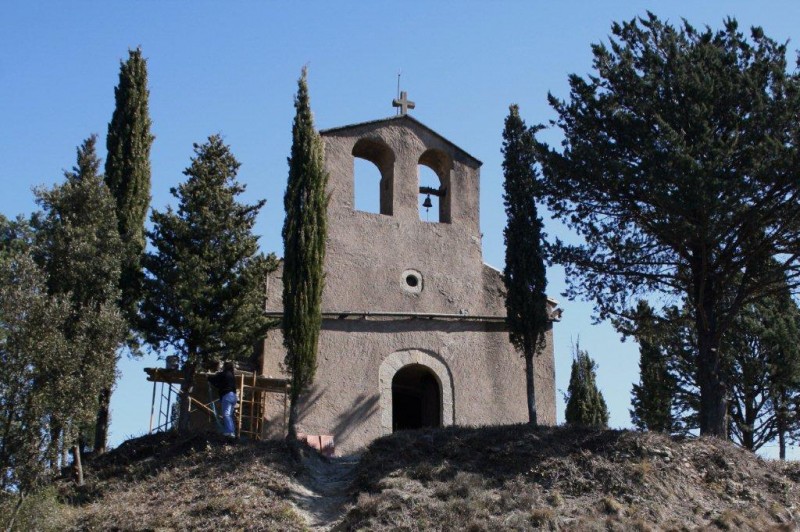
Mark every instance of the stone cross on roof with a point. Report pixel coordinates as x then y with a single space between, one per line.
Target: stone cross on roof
403 103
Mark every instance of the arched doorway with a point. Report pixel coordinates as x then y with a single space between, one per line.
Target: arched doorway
394 364
416 399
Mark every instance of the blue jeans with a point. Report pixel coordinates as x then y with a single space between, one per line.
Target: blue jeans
228 403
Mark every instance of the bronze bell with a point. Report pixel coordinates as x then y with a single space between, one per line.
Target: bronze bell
427 203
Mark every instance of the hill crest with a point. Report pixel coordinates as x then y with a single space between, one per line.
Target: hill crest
510 477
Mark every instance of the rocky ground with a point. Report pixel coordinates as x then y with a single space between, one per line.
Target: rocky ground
506 478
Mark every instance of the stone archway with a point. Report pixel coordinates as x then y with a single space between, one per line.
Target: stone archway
432 365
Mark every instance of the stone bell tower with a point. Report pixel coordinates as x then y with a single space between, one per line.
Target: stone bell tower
393 260
413 331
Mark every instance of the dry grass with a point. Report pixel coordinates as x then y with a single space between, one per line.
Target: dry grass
521 478
492 478
198 482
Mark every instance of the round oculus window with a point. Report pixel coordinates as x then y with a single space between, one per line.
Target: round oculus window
412 281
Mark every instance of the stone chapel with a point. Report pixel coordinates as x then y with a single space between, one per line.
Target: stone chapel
413 332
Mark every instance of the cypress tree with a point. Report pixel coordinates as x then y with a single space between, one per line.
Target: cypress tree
585 403
524 272
653 398
127 171
304 234
204 281
127 175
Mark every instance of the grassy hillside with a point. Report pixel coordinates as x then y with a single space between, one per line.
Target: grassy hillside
508 478
574 479
167 482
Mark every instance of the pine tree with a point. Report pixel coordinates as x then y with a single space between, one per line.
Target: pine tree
762 363
784 369
654 397
304 234
204 279
78 245
127 174
585 403
678 172
524 273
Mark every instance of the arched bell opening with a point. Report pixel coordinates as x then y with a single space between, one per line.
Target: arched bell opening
435 194
373 184
416 399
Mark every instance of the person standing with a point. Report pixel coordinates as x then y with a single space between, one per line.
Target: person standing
225 383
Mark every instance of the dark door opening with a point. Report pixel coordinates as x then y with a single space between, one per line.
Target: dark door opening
416 400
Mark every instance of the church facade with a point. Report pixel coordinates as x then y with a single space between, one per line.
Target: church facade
413 332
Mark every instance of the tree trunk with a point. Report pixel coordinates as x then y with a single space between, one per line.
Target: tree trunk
530 385
291 430
187 387
713 400
780 422
101 425
76 462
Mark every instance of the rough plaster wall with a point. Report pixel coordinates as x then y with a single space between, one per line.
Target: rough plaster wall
273 352
545 382
275 410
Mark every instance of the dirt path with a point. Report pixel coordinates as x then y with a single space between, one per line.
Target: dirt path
321 493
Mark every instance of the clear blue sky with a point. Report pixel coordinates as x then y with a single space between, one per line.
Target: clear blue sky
232 68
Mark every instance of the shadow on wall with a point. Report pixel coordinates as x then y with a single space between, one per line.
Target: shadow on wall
362 408
309 400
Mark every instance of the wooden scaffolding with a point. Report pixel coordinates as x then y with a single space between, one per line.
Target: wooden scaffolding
252 393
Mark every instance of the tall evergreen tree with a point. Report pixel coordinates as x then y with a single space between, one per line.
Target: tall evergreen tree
524 272
761 353
679 168
204 279
78 245
127 171
784 370
760 362
127 175
31 346
654 397
585 403
304 234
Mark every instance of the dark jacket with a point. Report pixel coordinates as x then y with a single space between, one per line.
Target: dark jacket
224 382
